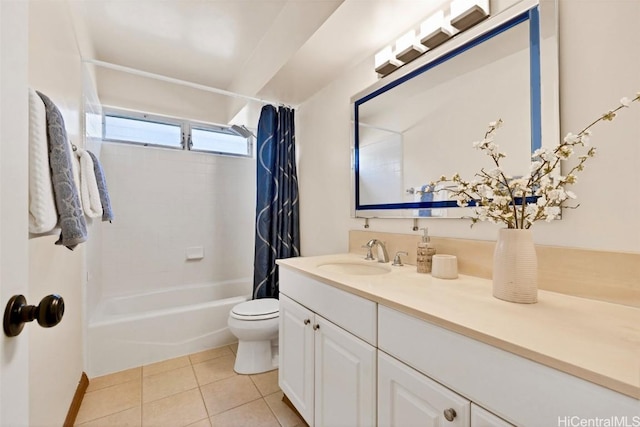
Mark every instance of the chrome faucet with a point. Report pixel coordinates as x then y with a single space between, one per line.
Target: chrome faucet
372 243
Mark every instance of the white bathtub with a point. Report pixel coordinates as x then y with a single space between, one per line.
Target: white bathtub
134 330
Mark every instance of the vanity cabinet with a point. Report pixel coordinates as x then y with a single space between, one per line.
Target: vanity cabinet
398 349
511 387
480 417
327 372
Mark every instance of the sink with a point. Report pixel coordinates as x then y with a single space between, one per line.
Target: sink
355 268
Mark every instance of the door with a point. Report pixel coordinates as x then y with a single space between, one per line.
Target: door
14 368
408 398
295 374
345 377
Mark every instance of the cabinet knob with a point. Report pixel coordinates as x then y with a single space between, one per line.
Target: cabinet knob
449 414
307 321
316 327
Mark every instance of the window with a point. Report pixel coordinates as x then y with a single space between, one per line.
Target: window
148 130
142 131
218 141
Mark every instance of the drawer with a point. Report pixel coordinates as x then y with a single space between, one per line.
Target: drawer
351 312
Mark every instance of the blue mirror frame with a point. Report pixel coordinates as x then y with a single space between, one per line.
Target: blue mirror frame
532 16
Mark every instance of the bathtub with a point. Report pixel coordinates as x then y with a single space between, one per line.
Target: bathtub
138 329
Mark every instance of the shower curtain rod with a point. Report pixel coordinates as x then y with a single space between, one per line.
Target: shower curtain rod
160 77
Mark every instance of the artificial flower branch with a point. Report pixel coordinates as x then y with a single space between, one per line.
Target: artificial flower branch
500 198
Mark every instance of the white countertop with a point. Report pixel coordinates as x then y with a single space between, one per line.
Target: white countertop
593 340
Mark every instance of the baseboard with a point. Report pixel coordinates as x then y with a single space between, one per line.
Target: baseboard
74 408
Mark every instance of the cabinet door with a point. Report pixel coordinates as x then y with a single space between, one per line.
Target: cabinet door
295 374
345 378
480 417
407 398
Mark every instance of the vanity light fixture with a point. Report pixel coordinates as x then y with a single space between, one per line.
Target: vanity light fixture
467 13
386 62
434 31
407 49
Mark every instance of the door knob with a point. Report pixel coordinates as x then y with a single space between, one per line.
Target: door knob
48 313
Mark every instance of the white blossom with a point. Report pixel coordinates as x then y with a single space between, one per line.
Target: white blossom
462 200
495 172
531 210
557 195
481 212
550 157
551 213
565 151
544 154
535 165
497 194
501 200
585 138
571 138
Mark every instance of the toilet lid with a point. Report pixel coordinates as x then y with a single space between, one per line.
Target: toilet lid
257 309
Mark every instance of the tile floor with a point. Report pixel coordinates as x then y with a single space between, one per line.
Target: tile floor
199 390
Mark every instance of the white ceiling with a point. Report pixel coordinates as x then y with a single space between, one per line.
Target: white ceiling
284 50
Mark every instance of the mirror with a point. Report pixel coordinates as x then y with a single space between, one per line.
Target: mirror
421 125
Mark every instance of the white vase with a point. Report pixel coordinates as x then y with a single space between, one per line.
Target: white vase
515 267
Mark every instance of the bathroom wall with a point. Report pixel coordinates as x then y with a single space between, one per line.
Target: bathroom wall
56 354
92 125
166 201
599 63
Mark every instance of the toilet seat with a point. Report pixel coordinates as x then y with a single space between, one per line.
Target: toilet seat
258 309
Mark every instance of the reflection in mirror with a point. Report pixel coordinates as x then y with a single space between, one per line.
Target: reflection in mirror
422 125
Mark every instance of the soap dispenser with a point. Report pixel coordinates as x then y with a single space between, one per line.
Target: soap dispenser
425 253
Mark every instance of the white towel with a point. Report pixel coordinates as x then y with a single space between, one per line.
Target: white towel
89 193
441 194
43 215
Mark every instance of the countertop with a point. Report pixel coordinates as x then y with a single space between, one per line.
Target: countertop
593 340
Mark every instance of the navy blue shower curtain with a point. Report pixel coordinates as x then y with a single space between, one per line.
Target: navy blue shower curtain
277 215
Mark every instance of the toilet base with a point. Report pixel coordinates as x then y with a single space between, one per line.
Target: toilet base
254 357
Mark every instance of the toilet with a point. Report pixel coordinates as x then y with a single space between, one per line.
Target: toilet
255 324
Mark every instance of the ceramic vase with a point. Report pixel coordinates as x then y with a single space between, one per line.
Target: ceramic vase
515 267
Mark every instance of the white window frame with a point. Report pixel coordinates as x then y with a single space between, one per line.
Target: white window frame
217 129
137 115
185 127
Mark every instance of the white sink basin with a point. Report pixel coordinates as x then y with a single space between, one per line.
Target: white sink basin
355 268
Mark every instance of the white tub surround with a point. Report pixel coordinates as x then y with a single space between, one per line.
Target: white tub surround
569 355
134 330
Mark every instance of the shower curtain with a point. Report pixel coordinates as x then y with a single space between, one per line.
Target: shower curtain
277 216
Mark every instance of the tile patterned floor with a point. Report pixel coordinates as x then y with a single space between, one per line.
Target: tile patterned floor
199 390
